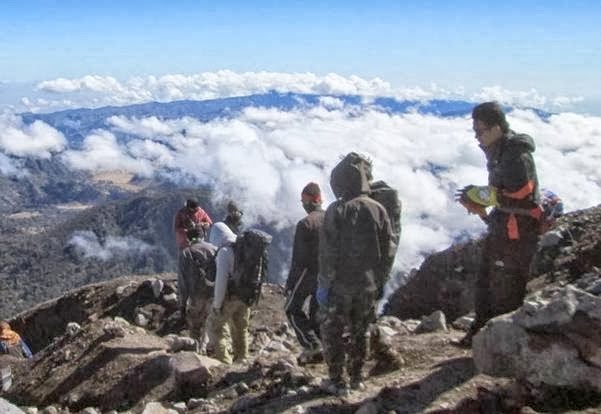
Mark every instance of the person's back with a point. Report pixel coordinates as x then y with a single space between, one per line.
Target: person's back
356 233
226 310
197 266
355 253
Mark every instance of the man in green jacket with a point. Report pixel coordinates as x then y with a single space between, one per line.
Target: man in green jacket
355 252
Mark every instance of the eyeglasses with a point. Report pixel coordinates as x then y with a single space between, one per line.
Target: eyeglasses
480 131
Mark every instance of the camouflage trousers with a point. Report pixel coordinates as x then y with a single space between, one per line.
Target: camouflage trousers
504 273
196 319
228 331
344 327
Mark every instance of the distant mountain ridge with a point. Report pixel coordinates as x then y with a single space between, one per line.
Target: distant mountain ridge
75 124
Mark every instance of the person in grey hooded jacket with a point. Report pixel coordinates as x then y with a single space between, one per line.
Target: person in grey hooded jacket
228 312
355 250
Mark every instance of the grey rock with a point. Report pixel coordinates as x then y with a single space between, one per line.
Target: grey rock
434 322
8 408
554 340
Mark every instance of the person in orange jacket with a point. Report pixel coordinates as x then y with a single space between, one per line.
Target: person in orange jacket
11 342
191 216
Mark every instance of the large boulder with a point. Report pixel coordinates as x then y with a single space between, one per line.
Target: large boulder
553 340
445 282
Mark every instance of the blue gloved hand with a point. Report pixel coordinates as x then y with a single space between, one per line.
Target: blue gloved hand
321 295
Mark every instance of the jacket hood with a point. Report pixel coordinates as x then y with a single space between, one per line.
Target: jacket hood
522 139
221 235
350 177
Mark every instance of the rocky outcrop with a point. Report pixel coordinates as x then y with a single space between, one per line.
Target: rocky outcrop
446 279
554 340
444 282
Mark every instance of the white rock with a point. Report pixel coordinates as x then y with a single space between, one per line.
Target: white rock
141 320
157 287
72 328
155 408
170 298
7 407
121 321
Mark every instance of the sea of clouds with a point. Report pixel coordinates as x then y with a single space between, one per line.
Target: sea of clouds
264 157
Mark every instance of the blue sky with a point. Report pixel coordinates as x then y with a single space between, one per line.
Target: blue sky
551 46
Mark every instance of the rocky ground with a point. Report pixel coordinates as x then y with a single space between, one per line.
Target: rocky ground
120 346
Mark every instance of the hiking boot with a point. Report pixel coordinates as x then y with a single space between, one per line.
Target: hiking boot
310 356
336 387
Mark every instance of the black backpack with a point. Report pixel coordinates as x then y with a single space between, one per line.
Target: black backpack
389 198
250 265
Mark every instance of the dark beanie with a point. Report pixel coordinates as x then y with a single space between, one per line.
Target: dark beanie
191 203
311 193
232 207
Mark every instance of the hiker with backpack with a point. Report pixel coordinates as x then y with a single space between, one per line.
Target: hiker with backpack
514 222
241 268
302 278
11 342
197 265
233 219
189 217
355 255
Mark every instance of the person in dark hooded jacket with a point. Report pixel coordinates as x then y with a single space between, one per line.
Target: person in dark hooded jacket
513 224
354 254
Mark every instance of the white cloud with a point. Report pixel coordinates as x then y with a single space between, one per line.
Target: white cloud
96 91
7 166
265 156
531 98
38 140
89 246
102 152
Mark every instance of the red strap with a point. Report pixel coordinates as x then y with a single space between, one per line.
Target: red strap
522 193
512 228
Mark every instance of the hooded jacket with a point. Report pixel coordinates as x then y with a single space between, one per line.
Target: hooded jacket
511 170
355 241
223 238
511 167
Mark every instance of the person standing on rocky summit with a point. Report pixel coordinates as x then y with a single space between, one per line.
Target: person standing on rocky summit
355 251
197 265
513 224
228 312
302 278
191 216
233 219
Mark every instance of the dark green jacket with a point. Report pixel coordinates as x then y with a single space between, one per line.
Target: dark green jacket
355 242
